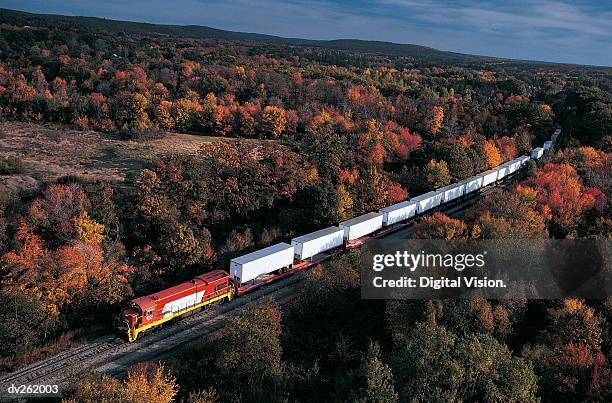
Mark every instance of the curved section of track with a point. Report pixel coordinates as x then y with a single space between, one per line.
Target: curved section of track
114 356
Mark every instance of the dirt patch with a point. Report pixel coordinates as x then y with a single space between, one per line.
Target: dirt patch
50 151
15 184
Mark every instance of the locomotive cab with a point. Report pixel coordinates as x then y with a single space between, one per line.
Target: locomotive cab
130 317
129 320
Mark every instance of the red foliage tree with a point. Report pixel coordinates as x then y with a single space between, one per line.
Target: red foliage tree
53 214
560 189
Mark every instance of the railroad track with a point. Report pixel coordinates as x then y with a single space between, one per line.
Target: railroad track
114 356
50 365
162 348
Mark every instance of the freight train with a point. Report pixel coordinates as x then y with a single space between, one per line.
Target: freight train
263 266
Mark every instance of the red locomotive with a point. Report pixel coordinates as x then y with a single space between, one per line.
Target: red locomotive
152 310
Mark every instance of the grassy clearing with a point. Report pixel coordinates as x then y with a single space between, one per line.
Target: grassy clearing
48 152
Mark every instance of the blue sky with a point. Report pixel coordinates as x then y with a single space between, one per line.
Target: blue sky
560 30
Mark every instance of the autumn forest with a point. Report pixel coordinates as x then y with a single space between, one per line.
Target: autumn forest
292 138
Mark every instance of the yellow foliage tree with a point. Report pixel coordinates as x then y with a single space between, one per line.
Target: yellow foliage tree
145 383
184 112
163 115
312 175
150 383
437 174
345 202
436 119
102 389
273 120
88 230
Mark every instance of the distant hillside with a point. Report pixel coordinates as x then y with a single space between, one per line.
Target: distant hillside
422 53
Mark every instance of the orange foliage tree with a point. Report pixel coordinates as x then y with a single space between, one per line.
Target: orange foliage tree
491 154
396 193
163 115
560 190
273 121
80 271
440 226
510 214
33 269
369 148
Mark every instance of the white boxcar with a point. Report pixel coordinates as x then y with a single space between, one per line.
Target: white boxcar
537 153
250 266
488 177
362 225
502 171
427 201
308 245
472 184
398 212
513 166
523 159
547 144
452 191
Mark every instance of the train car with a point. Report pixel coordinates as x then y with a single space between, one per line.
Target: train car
547 145
555 135
361 226
523 160
309 245
427 201
150 311
537 153
513 166
503 170
452 191
267 260
398 212
472 184
488 177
